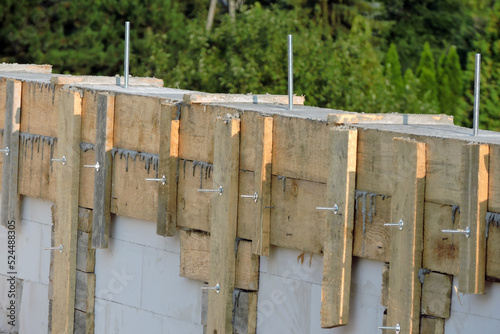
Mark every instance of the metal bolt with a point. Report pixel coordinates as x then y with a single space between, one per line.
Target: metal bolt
60 248
220 190
163 180
127 51
6 150
335 209
396 328
466 231
216 288
290 72
63 160
96 166
399 224
255 196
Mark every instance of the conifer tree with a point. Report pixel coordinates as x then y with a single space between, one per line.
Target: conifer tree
392 69
426 74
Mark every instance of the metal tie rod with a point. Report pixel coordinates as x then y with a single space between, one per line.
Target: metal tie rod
63 160
216 288
396 328
399 224
60 248
335 209
96 166
290 72
220 191
477 84
459 231
163 180
255 196
6 150
127 52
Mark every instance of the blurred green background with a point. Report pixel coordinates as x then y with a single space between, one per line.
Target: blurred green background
368 56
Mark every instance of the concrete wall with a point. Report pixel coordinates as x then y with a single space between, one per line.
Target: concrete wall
32 266
138 287
290 295
475 313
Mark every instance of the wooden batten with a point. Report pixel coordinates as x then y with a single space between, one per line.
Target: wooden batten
224 212
67 213
10 197
472 265
102 176
407 243
262 184
196 98
336 286
166 222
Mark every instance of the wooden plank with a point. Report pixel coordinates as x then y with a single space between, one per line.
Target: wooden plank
69 126
102 177
406 244
371 237
40 105
492 251
85 255
195 260
494 179
337 249
193 98
11 200
262 186
84 323
87 177
137 123
384 295
406 119
85 291
245 312
472 264
166 221
30 68
436 295
430 325
224 215
80 80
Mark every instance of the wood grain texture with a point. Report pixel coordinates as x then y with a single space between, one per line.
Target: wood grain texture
11 200
40 105
240 98
102 177
436 295
224 215
69 126
407 244
166 222
472 254
337 249
262 186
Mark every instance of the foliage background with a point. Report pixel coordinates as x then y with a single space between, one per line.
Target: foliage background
359 55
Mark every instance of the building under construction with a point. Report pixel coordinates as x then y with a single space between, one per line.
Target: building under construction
155 210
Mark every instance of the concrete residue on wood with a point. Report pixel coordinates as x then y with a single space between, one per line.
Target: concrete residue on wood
491 218
203 166
368 208
84 147
29 139
150 159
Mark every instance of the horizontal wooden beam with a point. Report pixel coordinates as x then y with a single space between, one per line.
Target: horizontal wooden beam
62 79
195 98
403 119
30 68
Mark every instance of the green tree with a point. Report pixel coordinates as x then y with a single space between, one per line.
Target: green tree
426 74
393 69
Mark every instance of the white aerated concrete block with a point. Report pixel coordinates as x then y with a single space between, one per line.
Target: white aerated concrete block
123 319
33 316
174 326
36 210
119 274
460 323
143 233
29 250
46 231
284 305
165 292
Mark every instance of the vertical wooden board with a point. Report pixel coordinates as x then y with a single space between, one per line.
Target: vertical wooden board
69 126
224 212
246 206
36 173
494 179
247 267
371 237
85 291
89 116
440 249
406 244
300 147
137 123
262 185
337 249
245 312
492 251
40 104
86 199
431 325
472 254
85 256
102 177
436 295
193 206
3 94
166 221
384 295
295 222
10 197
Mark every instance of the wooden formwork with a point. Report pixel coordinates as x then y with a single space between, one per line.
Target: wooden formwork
375 170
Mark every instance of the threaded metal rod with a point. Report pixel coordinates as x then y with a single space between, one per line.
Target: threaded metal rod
127 46
477 84
290 72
